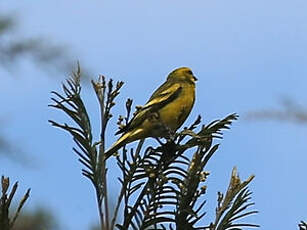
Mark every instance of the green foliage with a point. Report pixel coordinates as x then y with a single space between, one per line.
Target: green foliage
6 222
38 219
43 52
6 24
302 225
162 187
233 205
90 153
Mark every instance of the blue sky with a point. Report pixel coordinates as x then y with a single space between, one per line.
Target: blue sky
247 55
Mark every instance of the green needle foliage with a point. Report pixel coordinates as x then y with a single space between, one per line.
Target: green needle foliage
302 225
7 223
90 153
233 205
162 187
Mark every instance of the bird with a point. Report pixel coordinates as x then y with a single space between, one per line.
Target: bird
164 113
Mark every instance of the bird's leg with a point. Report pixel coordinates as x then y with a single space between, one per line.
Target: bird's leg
163 129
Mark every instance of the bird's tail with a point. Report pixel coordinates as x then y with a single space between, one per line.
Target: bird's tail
116 146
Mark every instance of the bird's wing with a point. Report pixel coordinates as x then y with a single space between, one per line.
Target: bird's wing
165 94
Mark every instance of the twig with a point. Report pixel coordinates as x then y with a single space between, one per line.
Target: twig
22 202
99 88
5 202
124 186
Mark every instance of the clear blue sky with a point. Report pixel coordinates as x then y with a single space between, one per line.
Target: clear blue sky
246 55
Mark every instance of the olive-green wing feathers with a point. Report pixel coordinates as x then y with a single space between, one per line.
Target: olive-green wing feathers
162 96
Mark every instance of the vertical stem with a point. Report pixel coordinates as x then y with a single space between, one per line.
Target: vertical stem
99 204
103 117
4 205
101 186
4 219
105 189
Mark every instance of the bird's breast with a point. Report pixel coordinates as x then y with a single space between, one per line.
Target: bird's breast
175 113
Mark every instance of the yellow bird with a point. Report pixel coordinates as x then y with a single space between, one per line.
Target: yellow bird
165 111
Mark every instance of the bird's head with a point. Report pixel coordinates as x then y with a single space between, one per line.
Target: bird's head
182 74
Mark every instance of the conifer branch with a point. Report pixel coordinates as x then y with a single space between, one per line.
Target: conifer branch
91 154
7 223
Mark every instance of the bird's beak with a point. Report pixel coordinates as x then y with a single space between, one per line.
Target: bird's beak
195 79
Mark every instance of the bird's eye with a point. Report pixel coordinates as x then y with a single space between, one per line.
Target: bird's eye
190 72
